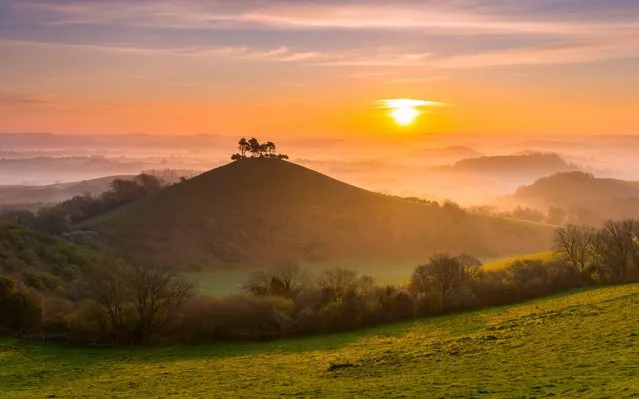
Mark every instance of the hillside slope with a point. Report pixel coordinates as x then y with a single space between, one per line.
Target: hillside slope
532 164
580 345
40 261
261 211
53 193
586 198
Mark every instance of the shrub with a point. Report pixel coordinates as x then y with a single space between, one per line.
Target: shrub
20 308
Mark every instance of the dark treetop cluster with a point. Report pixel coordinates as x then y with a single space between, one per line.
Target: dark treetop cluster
253 149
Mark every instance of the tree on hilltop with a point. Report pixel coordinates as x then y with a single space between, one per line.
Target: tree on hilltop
256 150
243 146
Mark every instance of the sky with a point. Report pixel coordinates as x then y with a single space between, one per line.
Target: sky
309 68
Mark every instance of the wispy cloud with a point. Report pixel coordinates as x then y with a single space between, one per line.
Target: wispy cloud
569 53
596 36
444 17
394 103
25 99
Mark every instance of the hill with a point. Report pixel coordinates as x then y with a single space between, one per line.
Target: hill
259 211
53 193
33 196
584 197
527 165
41 261
582 345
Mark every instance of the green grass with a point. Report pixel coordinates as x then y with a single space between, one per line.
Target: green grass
579 345
501 263
228 281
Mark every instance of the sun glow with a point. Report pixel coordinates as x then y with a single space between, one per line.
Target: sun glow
404 111
404 116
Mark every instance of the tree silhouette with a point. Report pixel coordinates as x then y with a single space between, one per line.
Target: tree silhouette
254 147
256 150
243 146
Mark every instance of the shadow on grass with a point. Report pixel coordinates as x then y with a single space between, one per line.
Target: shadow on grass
67 354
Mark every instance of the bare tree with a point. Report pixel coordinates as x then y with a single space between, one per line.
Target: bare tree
105 282
575 245
157 293
339 283
139 298
618 242
441 276
285 280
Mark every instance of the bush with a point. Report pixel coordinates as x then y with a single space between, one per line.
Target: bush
238 317
40 281
20 308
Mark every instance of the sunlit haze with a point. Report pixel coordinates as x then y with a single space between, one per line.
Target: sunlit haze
309 68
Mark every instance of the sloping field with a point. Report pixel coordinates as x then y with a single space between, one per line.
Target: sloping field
580 345
501 263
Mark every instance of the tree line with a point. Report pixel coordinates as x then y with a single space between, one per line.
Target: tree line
117 302
254 149
58 218
608 254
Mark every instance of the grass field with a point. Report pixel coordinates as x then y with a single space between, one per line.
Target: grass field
229 281
384 271
579 345
503 262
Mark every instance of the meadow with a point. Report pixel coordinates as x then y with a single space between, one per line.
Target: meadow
583 344
228 281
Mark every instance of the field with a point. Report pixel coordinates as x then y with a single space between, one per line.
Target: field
384 271
503 262
583 344
229 281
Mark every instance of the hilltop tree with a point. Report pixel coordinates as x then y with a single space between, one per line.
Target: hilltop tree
243 146
255 147
256 150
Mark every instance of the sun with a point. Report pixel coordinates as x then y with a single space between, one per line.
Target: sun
404 116
404 111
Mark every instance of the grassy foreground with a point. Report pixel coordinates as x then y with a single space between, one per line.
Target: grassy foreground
584 345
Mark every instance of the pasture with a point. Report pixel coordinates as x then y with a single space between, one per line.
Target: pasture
582 344
229 281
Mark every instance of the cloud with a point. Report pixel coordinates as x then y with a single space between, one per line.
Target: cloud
266 27
277 54
415 79
24 99
377 57
468 17
569 53
400 103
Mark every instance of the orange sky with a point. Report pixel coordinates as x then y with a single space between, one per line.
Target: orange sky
87 67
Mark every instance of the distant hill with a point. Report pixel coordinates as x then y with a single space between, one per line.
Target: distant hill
257 211
54 193
594 198
455 151
525 165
